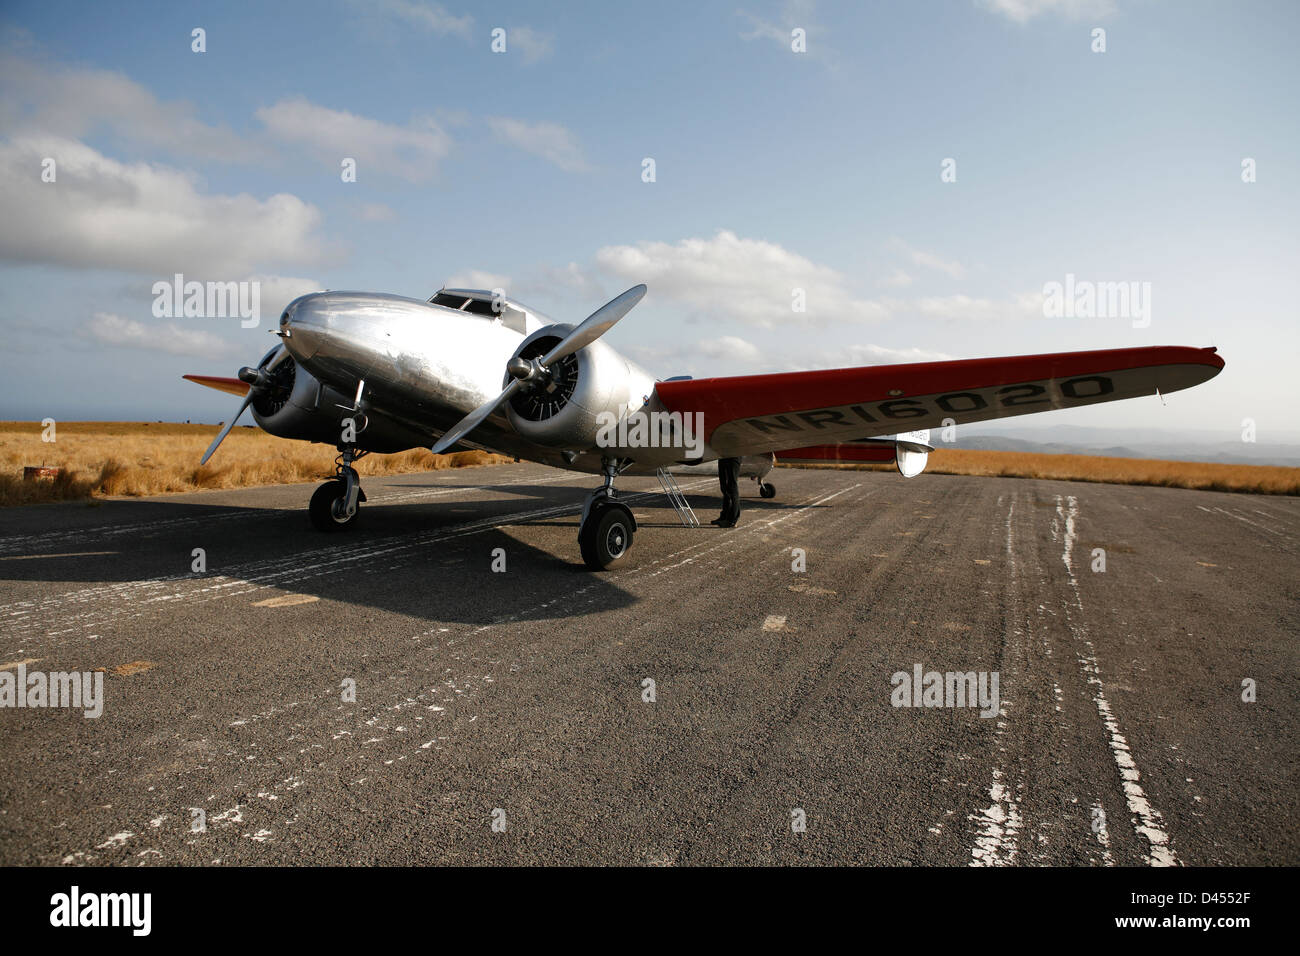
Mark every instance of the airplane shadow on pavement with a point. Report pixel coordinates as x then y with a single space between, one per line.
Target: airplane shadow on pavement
431 560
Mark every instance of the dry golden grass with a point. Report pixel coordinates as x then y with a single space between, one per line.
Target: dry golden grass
1207 476
135 458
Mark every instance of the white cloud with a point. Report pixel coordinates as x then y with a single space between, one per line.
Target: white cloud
116 332
73 103
794 14
142 217
550 141
743 280
532 44
928 260
587 286
897 280
431 16
375 212
477 279
730 355
855 355
411 152
1022 11
1025 305
278 291
730 347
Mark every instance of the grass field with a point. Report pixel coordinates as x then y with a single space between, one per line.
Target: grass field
136 458
1208 476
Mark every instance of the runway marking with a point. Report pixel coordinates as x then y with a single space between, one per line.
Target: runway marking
774 622
996 845
287 600
997 841
1254 524
116 840
1151 823
1103 834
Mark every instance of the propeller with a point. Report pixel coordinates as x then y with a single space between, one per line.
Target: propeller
529 373
258 380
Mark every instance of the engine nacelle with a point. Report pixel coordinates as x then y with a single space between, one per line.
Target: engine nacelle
593 380
297 405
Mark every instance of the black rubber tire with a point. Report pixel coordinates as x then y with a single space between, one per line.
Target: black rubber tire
606 537
321 509
766 490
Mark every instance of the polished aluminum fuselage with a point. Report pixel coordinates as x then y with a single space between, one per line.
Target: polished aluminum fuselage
426 366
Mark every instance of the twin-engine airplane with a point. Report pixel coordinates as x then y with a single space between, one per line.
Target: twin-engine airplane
382 373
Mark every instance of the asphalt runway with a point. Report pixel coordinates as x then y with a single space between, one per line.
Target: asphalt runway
517 696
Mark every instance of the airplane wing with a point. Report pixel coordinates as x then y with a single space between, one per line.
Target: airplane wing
232 385
753 414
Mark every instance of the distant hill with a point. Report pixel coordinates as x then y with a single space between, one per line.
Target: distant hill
1128 443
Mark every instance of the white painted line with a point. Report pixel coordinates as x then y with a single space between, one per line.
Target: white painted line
1150 824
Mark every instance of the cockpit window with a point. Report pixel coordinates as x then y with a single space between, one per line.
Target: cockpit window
464 303
480 307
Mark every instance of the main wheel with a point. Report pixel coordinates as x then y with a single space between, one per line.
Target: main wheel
326 508
606 537
767 490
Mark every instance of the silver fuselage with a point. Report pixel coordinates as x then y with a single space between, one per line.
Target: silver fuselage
425 366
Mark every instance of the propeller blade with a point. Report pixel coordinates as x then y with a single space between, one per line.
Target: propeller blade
474 419
216 442
595 325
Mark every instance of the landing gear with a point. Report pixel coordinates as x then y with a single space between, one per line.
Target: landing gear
334 504
766 489
607 528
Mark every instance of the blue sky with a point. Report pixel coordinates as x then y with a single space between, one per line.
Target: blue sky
774 170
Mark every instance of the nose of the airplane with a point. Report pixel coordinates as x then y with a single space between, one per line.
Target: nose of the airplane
302 326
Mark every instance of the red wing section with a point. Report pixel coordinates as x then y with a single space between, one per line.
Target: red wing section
232 385
864 452
752 414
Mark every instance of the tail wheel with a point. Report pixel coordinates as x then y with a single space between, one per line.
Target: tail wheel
326 508
606 537
766 490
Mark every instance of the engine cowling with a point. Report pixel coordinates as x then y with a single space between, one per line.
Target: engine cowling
563 412
295 404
